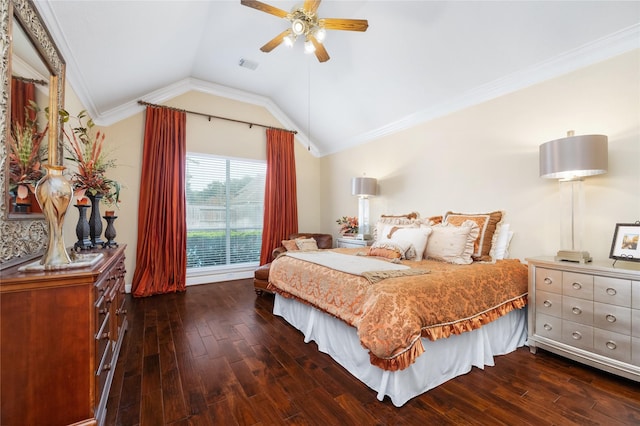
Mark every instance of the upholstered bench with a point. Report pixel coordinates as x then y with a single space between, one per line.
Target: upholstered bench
261 275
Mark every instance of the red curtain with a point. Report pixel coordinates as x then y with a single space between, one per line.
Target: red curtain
161 258
21 93
280 199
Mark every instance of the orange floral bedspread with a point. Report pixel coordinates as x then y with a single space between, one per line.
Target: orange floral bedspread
391 315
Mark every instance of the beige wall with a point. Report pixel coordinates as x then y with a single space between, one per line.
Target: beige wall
485 158
480 159
219 137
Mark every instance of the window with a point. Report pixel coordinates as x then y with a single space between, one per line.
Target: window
225 198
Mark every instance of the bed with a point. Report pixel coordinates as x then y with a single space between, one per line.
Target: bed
404 326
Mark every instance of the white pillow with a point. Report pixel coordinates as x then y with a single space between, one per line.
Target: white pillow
500 249
416 236
453 244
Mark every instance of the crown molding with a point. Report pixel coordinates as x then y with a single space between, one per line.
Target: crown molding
599 50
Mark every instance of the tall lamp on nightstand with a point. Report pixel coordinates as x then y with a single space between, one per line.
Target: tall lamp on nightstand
363 187
570 160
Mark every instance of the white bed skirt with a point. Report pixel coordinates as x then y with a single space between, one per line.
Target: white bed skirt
442 360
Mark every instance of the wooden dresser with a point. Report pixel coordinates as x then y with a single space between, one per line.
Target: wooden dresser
60 335
587 312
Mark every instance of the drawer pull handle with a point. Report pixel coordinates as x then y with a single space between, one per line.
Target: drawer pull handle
548 280
576 286
576 335
547 303
611 345
611 291
548 327
105 335
611 318
106 367
576 310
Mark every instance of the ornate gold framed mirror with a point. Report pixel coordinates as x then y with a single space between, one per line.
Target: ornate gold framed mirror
26 44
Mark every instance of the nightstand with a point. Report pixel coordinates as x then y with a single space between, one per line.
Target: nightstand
588 312
352 243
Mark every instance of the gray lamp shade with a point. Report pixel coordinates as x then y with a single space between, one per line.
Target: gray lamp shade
574 157
363 186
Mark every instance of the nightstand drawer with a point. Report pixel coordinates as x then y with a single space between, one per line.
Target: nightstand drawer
549 303
612 318
635 322
635 294
548 326
549 280
613 291
578 335
577 310
635 351
613 345
577 285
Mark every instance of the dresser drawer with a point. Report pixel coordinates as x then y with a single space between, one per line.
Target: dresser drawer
578 335
612 318
612 345
635 294
577 310
613 291
635 351
635 322
549 303
549 280
577 285
548 326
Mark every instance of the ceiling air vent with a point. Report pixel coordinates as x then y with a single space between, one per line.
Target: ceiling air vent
246 63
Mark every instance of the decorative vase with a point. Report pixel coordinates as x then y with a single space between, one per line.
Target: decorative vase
54 193
82 229
95 221
110 232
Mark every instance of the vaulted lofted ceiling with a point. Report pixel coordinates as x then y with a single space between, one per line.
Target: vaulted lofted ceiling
418 59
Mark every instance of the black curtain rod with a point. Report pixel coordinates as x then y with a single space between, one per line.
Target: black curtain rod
210 116
30 80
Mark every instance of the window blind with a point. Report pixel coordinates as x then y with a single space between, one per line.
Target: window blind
225 207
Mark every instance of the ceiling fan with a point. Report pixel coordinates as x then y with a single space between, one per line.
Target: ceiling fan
305 22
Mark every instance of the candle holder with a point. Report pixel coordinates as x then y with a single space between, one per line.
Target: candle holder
110 232
82 229
95 223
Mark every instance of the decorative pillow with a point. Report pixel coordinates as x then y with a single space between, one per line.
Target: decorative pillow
290 245
306 244
417 237
453 244
391 249
487 223
411 219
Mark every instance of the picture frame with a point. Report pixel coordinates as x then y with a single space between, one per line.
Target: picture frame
626 242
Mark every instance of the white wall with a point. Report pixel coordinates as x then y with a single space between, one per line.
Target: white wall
485 158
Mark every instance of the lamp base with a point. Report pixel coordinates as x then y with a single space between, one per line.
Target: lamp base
574 256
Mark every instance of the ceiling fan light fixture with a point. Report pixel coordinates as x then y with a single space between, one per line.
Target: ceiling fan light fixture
320 34
309 47
289 40
298 26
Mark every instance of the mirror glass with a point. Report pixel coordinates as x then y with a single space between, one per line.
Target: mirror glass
28 131
28 52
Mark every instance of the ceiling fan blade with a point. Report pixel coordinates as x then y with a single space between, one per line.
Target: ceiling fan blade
311 6
265 8
344 24
321 52
274 42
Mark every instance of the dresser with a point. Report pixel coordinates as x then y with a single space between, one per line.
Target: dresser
60 335
587 312
352 243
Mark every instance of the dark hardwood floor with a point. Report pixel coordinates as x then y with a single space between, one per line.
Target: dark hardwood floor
215 355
